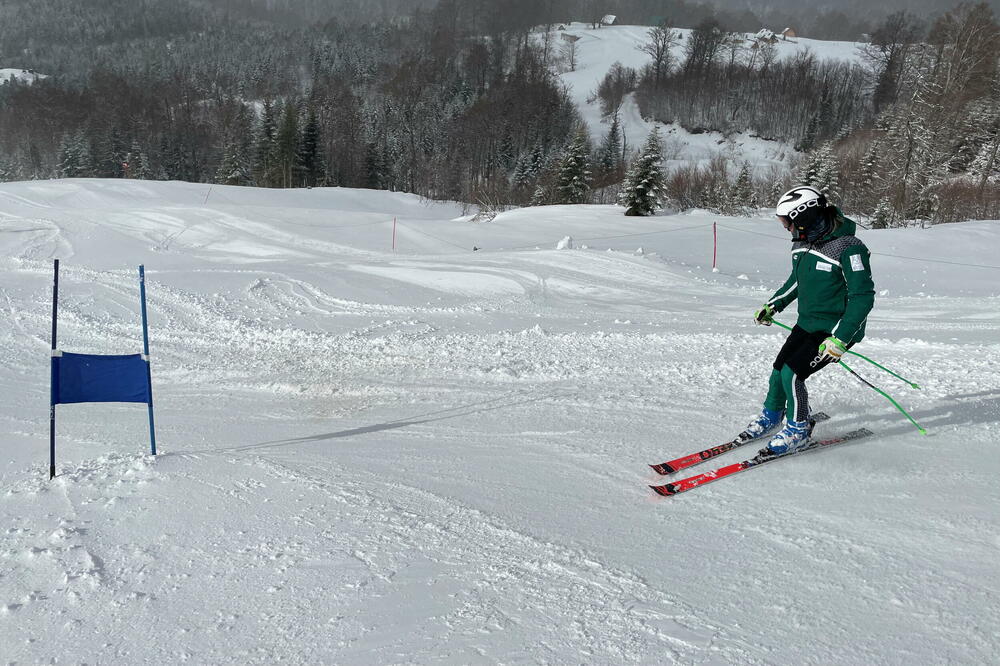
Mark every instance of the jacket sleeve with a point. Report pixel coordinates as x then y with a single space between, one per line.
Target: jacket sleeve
787 293
856 264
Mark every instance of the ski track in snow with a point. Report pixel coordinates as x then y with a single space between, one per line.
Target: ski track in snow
440 457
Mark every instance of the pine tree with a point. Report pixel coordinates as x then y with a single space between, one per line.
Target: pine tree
540 196
138 163
777 189
609 157
235 166
573 184
529 167
982 134
506 154
285 143
808 141
546 188
824 117
868 175
808 171
264 150
828 171
926 203
821 170
882 217
643 191
742 197
986 165
309 156
376 171
74 156
108 153
67 157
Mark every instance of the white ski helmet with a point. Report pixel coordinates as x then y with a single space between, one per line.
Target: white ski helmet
804 208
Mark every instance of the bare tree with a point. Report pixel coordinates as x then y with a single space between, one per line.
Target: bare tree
569 51
661 39
703 46
888 55
595 10
733 45
618 82
966 41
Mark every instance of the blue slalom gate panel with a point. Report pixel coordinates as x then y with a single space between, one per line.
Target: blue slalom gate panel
100 378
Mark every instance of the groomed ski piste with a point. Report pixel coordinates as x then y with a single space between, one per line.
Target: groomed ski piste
439 455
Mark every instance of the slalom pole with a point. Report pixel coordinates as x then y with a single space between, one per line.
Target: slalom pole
886 395
881 367
145 353
715 245
53 374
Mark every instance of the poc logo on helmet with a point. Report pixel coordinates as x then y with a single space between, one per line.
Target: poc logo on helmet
799 199
794 213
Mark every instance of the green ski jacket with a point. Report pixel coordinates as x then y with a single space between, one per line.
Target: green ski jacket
832 280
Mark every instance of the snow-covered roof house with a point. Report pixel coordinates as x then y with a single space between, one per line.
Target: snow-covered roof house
609 19
765 36
789 33
21 75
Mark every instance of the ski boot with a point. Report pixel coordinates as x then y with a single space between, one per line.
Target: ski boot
794 436
763 424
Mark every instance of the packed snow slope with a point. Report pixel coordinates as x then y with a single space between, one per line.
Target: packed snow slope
439 455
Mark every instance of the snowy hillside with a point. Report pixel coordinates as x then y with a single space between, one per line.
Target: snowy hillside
439 455
598 49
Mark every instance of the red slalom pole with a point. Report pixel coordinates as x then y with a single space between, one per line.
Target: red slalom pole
715 245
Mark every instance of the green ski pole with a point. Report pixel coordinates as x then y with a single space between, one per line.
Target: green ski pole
881 367
872 386
886 395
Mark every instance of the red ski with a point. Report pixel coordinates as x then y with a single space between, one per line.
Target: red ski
759 459
672 466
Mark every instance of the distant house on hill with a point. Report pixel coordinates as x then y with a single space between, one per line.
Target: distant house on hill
788 33
764 36
20 75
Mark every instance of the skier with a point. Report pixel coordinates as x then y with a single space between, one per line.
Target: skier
831 278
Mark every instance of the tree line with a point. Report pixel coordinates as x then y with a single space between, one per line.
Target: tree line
458 100
912 134
426 106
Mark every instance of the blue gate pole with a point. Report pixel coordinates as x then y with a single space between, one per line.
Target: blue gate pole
52 372
145 351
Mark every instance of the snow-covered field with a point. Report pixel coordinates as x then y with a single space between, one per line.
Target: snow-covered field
598 49
438 455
